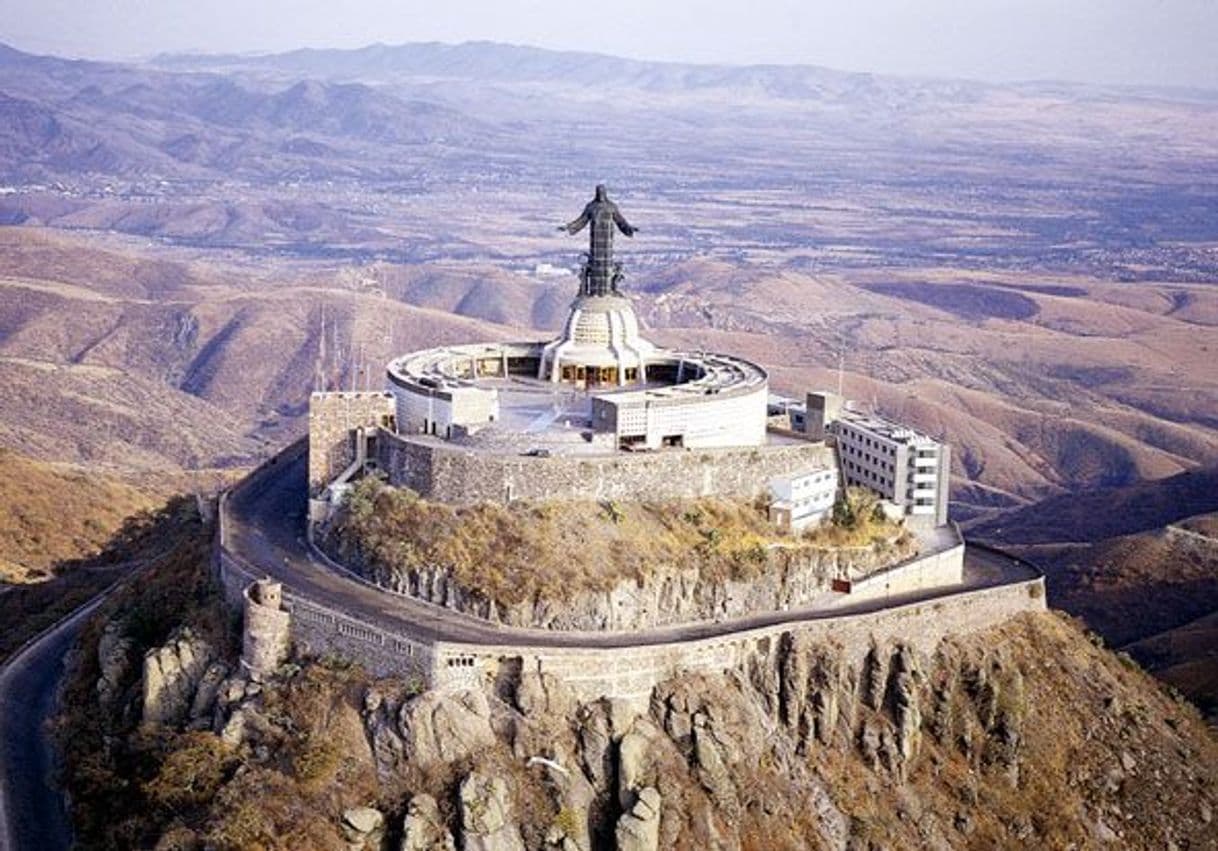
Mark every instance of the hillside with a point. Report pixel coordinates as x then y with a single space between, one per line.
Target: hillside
1026 734
607 565
1152 593
1106 512
57 513
242 229
161 363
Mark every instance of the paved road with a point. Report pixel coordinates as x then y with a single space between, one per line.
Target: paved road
32 812
265 529
265 526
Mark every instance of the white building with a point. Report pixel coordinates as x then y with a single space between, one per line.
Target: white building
900 465
802 499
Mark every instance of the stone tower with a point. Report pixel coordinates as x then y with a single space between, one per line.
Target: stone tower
264 645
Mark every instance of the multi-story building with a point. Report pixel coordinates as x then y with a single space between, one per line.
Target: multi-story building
902 466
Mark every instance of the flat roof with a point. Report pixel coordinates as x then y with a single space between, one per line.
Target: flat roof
886 428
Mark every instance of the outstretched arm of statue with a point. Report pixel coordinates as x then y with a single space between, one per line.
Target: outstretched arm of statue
623 225
576 225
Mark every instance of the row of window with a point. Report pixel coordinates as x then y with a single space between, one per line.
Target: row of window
804 482
871 443
868 457
822 499
859 472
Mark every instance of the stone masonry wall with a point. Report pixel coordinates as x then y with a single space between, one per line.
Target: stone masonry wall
451 474
332 419
630 673
319 630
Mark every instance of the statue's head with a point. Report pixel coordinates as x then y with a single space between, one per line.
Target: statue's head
602 194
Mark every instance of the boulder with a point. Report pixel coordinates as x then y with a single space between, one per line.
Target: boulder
363 828
445 727
634 762
423 829
906 713
595 744
201 708
486 815
380 727
114 660
639 828
575 796
543 694
172 674
713 752
233 731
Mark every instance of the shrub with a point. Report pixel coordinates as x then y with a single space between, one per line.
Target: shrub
193 772
317 762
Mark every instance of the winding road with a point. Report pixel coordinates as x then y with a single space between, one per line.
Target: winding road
263 523
264 529
32 813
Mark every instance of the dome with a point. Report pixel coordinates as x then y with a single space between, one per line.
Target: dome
600 345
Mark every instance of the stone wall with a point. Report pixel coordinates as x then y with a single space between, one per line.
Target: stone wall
318 630
625 671
451 474
332 419
941 569
630 673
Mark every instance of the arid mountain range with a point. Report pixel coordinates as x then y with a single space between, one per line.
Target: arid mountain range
1028 271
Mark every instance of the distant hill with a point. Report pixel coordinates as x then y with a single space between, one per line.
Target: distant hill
506 63
1104 513
66 117
498 62
57 512
1152 592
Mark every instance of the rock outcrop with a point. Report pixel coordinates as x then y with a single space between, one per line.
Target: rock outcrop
114 661
665 595
172 674
423 828
363 828
487 820
803 745
639 828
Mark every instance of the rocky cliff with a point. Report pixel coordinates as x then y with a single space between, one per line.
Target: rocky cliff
663 595
1027 735
598 566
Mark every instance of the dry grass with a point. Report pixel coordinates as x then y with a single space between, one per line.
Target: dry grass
554 550
55 513
132 784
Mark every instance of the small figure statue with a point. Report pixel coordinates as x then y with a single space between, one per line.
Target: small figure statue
600 274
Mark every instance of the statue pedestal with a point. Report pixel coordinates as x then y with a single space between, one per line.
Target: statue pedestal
599 345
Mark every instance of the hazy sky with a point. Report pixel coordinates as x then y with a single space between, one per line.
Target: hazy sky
1128 41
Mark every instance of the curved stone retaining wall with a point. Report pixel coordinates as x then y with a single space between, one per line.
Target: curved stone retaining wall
448 473
624 672
631 673
319 630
